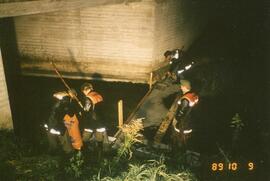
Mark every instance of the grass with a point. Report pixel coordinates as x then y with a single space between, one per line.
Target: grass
152 170
19 161
131 136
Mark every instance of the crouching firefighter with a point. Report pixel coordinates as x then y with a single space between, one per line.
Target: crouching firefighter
92 121
181 123
63 125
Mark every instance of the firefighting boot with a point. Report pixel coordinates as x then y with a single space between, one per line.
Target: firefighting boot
87 135
106 143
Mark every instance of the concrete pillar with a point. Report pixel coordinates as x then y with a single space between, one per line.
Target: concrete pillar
5 113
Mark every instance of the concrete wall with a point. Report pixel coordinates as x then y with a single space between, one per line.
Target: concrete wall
123 42
5 113
114 41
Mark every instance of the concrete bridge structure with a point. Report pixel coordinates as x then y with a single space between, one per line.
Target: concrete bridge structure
110 40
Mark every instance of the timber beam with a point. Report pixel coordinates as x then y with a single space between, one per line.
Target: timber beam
44 6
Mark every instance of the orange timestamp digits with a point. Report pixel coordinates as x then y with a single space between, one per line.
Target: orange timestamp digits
233 166
250 166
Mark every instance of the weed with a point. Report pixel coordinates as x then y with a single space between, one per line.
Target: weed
152 170
131 135
237 123
74 167
237 126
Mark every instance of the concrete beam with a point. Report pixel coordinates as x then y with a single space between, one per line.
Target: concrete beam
45 6
5 112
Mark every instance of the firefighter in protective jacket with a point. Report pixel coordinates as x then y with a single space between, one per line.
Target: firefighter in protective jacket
63 124
187 101
92 121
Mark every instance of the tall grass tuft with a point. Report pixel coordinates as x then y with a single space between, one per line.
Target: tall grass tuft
153 170
130 136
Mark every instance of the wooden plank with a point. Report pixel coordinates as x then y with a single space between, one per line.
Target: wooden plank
166 122
45 6
120 113
152 109
151 80
131 116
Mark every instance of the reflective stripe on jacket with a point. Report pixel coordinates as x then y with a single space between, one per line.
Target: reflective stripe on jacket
60 95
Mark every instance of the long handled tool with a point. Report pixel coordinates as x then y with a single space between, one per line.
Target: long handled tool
66 85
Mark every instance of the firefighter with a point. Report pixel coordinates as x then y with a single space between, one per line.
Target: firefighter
174 58
63 125
181 122
93 126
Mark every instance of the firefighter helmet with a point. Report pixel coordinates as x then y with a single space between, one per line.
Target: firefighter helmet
168 53
185 83
87 86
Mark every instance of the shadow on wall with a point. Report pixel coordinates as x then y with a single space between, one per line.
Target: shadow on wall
97 76
79 71
75 64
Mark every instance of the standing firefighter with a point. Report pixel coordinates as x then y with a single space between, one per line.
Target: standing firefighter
92 120
181 122
63 124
